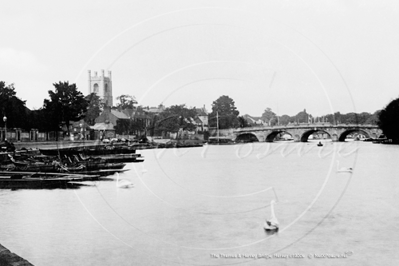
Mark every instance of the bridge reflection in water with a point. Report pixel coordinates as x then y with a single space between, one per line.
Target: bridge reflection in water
302 132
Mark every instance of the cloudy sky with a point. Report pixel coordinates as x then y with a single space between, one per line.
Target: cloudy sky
322 56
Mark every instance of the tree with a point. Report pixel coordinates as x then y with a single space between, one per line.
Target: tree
285 119
129 126
40 120
373 119
13 108
126 101
224 110
122 126
337 118
302 117
137 125
174 118
165 122
363 117
93 109
66 104
388 120
329 118
243 122
350 118
269 117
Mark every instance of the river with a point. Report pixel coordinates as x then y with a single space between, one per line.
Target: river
207 206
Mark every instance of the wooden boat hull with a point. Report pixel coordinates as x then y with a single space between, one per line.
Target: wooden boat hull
101 172
121 158
46 175
36 183
83 166
99 150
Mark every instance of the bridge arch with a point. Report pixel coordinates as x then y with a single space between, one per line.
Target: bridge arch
247 137
271 136
306 134
334 137
344 134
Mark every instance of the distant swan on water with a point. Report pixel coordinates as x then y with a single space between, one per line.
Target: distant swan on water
272 224
344 169
123 183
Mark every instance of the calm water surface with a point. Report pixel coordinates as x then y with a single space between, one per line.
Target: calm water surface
207 206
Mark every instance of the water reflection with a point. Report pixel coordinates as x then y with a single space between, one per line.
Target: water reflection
270 233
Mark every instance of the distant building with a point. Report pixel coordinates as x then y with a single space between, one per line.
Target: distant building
154 110
138 116
102 86
79 129
142 120
254 121
110 115
201 120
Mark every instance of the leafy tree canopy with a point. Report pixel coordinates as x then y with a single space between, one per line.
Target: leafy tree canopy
94 108
302 117
243 122
373 119
41 120
12 107
66 104
269 117
130 126
225 111
122 126
126 101
285 120
388 120
174 118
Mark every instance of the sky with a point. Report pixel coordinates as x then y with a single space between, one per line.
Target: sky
322 56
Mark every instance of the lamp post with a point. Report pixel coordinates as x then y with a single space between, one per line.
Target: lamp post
5 127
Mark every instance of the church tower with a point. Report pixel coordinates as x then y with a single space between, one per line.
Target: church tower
102 86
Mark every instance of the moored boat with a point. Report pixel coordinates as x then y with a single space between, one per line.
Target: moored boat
65 164
28 180
116 158
93 150
46 175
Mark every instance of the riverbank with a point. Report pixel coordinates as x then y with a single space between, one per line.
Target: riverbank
7 258
90 143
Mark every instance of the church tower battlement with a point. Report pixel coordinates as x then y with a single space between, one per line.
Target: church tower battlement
102 86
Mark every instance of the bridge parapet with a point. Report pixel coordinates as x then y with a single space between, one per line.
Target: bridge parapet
301 132
324 125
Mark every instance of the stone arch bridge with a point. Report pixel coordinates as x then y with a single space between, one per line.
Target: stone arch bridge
301 132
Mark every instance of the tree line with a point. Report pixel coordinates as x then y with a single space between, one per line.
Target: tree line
66 103
270 118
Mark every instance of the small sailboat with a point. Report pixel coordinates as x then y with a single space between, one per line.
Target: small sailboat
122 183
272 224
344 169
